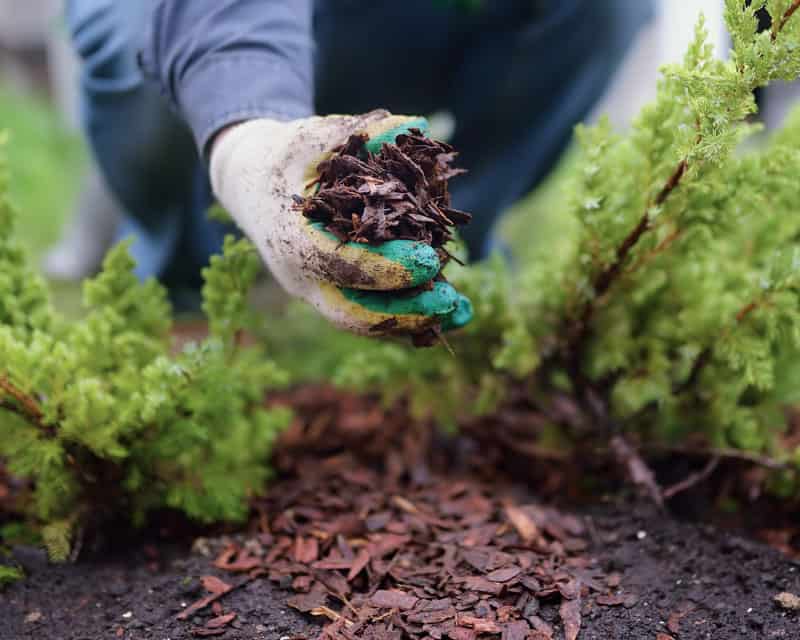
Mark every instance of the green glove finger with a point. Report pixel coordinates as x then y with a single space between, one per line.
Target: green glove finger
396 264
375 143
442 302
461 316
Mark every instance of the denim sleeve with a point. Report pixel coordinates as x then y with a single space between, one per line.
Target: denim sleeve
223 61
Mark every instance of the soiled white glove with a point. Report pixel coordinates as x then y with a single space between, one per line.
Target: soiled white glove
256 168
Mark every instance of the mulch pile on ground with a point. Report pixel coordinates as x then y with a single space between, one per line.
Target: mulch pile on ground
399 193
400 551
513 565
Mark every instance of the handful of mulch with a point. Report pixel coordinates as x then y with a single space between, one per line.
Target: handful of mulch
399 193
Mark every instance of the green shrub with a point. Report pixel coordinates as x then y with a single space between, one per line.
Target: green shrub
103 418
669 305
45 153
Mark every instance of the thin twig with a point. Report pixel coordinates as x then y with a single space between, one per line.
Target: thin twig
443 340
693 479
535 451
450 256
746 311
704 357
777 27
662 246
724 454
213 597
606 278
639 471
23 405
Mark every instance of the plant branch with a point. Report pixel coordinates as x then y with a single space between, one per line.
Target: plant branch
693 479
704 357
607 277
746 311
736 455
665 244
604 280
23 404
639 471
778 26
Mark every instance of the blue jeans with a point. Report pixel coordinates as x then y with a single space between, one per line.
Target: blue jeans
516 78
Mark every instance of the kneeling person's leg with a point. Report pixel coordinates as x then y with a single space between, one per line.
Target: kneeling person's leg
521 91
146 154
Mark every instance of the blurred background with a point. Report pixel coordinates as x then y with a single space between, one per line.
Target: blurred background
53 177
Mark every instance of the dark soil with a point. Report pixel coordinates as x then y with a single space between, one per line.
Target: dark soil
381 529
724 584
128 597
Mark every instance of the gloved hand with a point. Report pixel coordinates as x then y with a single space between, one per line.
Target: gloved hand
256 168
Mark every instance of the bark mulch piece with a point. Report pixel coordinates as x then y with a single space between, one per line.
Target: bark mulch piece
399 193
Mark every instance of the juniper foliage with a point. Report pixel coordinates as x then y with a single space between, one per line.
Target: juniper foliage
9 575
103 418
669 304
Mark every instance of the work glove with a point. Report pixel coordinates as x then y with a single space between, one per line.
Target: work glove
256 169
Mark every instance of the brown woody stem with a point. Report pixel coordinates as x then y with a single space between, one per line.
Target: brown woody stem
694 375
23 404
704 358
609 275
778 26
693 479
724 454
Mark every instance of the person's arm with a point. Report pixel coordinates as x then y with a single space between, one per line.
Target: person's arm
249 63
227 61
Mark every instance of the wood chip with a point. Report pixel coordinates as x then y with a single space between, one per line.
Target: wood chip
570 612
221 621
788 600
504 575
203 632
674 620
610 601
214 585
517 630
217 587
480 624
306 602
359 564
522 522
391 599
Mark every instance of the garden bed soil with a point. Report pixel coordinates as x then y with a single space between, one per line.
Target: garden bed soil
693 579
380 530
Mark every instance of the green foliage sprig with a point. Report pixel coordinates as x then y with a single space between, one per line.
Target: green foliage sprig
102 417
9 575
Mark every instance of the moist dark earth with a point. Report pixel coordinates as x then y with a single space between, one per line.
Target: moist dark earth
685 581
